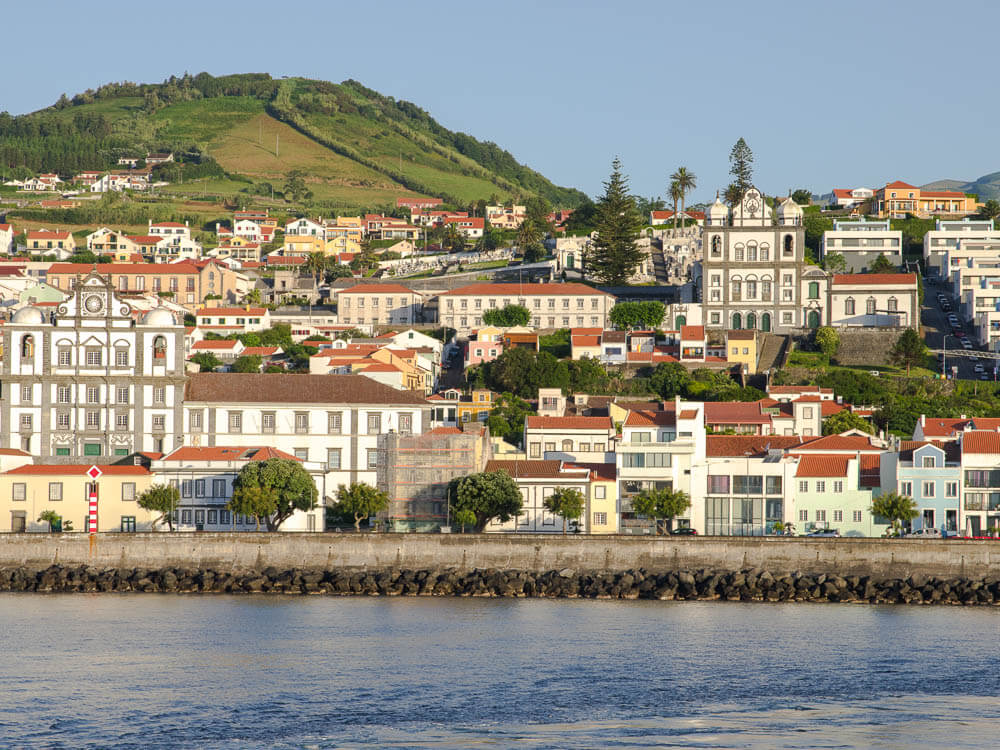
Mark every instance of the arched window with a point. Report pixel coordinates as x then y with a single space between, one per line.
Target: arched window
737 322
789 245
737 290
813 290
765 252
752 251
751 321
751 291
28 347
680 320
765 290
849 306
716 246
893 304
738 251
567 446
765 322
159 348
870 306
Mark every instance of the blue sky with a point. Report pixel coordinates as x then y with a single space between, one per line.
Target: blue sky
827 94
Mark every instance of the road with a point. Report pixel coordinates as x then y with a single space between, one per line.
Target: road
938 332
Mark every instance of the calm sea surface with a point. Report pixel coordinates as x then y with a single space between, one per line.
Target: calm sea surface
150 671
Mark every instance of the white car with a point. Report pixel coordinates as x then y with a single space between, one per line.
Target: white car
978 368
926 534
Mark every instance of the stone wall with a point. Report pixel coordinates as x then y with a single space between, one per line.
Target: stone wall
878 558
858 346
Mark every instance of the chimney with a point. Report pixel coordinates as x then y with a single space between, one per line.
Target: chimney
677 404
923 420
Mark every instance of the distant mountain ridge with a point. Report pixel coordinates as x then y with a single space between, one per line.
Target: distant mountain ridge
986 187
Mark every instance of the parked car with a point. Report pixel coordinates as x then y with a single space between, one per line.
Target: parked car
985 376
683 531
978 368
966 344
926 534
824 533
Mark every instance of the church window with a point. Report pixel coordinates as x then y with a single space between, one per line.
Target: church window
765 252
738 251
892 304
27 347
752 251
765 290
159 348
870 306
849 306
716 246
789 246
813 290
737 290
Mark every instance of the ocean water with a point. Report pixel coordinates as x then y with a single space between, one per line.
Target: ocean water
166 671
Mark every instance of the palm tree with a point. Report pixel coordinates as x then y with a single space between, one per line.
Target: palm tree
686 181
675 195
315 264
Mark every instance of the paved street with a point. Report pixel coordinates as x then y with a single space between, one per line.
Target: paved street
938 333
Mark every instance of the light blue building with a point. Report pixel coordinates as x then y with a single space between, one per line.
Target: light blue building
931 474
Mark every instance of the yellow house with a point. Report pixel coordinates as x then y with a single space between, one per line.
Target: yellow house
303 244
27 491
601 513
406 361
741 349
477 408
341 244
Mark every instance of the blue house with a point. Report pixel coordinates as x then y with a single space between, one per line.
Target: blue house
930 473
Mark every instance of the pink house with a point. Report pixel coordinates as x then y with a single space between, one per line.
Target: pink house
485 347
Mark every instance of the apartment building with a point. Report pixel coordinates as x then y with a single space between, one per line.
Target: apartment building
551 305
204 479
976 283
930 473
333 419
91 380
180 281
860 242
379 304
947 235
831 492
980 508
588 439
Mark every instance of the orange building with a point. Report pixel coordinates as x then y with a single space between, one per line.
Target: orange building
897 199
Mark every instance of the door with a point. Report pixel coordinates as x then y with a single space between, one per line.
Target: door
951 520
974 527
681 320
751 321
765 322
927 522
18 521
737 322
813 319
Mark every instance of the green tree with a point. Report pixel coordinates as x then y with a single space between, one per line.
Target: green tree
883 265
566 502
615 253
802 196
632 315
908 350
523 371
834 263
686 181
295 187
465 517
507 316
248 363
741 169
291 489
990 209
207 361
665 504
163 499
315 264
252 297
506 418
492 239
844 421
827 339
487 495
895 508
670 379
361 501
587 375
453 240
53 519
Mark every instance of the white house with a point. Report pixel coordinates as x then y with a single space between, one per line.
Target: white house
874 299
861 242
6 238
850 197
946 236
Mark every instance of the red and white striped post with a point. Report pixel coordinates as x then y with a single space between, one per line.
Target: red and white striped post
93 472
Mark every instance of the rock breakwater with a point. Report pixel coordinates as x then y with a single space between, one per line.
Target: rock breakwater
740 585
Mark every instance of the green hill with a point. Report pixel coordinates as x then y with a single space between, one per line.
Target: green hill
986 187
246 133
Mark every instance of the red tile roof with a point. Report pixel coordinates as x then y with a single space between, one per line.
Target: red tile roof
223 453
696 333
851 443
598 472
792 389
253 388
224 311
900 184
874 278
135 268
741 445
981 441
568 423
734 412
651 418
943 427
823 465
47 234
525 290
535 469
218 344
260 351
585 340
941 194
379 289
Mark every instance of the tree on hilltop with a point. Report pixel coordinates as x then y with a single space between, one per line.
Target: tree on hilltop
741 169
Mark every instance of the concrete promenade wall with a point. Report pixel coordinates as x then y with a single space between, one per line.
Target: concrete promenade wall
256 551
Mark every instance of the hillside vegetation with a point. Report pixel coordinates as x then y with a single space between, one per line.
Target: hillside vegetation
247 132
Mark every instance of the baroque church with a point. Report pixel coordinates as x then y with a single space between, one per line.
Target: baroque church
754 274
89 382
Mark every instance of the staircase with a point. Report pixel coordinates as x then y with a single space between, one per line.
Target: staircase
772 351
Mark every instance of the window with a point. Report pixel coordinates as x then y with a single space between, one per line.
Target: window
773 485
128 524
186 487
55 491
857 516
870 306
567 446
199 488
374 423
235 421
906 488
62 421
199 517
849 306
838 515
599 492
951 489
332 459
372 458
186 516
821 486
121 394
225 517
892 304
121 421
718 484
600 519
821 516
63 394
535 450
94 358
405 423
333 422
159 422
26 394
121 357
128 491
813 290
928 489
93 394
803 486
302 454
301 422
803 515
838 487
927 462
65 358
267 422
196 421
91 449
93 419
213 516
633 460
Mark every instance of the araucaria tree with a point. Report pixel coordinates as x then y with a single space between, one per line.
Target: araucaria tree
273 490
664 504
487 495
615 253
163 499
741 169
361 501
565 502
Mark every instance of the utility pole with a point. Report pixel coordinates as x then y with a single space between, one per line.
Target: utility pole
276 138
260 135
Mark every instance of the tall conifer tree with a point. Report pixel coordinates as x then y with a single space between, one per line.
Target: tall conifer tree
615 254
741 168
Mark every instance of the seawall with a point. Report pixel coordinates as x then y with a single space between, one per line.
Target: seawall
875 558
